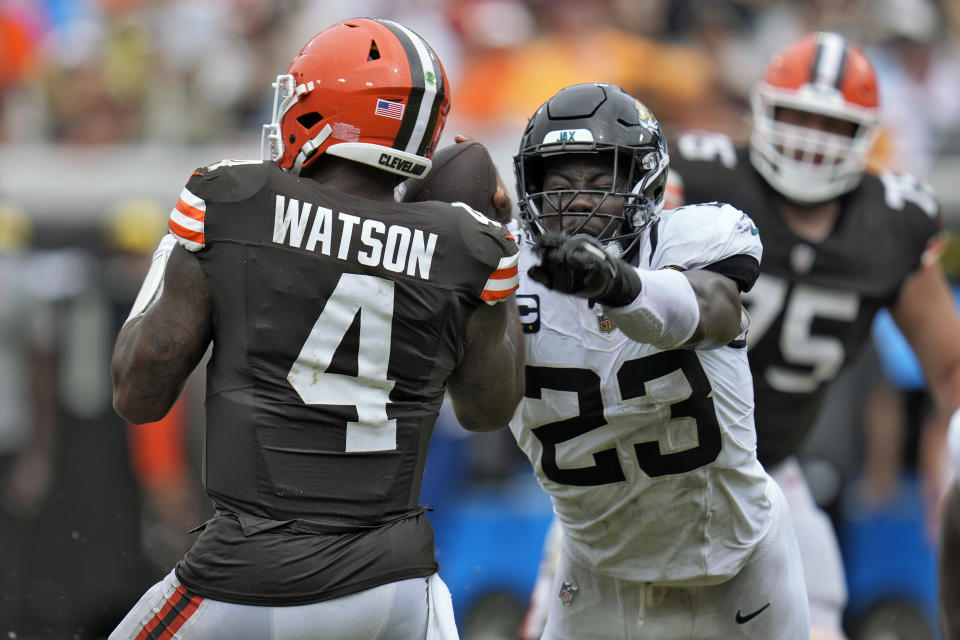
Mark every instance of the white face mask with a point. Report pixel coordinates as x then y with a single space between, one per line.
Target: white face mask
805 164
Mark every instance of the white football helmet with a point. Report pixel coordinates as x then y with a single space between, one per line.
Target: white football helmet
825 74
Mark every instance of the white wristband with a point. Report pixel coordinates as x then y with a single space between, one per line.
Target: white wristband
664 314
152 285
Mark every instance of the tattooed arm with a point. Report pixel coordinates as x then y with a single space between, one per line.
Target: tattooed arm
156 351
487 385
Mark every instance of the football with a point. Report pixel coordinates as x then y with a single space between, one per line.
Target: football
461 172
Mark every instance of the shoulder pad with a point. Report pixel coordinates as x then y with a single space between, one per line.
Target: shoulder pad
494 245
901 189
706 146
694 236
224 181
229 180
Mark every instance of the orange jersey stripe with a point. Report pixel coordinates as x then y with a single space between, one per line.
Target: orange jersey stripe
185 233
190 212
496 295
503 274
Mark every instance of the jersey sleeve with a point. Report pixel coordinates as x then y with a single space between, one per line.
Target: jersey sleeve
495 247
742 269
188 216
698 236
227 181
702 165
916 215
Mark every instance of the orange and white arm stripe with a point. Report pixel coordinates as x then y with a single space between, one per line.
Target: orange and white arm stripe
503 281
186 221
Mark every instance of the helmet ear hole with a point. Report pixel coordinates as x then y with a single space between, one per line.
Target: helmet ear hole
374 52
307 120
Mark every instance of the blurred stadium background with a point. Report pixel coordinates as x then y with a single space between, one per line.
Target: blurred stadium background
106 106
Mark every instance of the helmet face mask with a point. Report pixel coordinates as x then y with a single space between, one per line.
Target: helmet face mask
367 90
601 126
827 78
271 139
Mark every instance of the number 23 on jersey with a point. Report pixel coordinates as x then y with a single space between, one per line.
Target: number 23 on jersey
679 371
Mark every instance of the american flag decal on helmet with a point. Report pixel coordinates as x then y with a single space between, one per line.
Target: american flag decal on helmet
389 108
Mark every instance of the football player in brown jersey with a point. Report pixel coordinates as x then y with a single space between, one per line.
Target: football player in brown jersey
839 243
338 320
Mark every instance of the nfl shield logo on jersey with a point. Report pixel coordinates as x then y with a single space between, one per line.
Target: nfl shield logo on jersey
605 324
567 593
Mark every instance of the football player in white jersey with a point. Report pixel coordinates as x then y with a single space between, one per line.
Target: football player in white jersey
638 411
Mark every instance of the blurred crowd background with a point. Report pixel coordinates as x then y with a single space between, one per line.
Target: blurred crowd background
107 106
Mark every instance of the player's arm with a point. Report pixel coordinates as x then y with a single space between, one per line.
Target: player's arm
720 311
667 308
165 337
487 384
926 314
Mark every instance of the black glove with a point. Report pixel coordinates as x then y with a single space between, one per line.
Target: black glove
579 265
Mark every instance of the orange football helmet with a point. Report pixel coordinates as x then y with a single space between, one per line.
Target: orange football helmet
368 90
823 74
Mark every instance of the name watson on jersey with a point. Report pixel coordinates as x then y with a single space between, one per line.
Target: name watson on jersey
394 247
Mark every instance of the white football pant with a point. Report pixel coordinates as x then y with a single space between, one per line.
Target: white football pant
417 609
766 601
819 549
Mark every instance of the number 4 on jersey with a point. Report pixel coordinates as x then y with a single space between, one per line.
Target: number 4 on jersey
369 391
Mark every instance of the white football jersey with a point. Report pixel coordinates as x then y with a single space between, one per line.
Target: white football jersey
649 456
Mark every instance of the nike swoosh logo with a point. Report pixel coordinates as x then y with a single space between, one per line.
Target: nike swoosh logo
741 619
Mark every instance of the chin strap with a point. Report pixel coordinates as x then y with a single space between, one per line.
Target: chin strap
309 148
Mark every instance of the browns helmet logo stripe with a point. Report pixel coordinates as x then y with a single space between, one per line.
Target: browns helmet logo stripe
426 93
829 60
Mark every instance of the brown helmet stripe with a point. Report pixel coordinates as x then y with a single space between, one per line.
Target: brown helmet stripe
426 95
829 60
